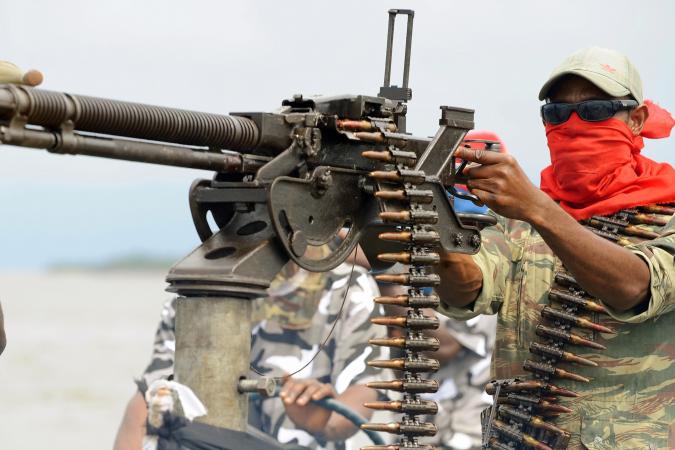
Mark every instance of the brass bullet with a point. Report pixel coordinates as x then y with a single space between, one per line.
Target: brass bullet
398 447
410 257
400 176
419 344
520 415
412 386
407 195
415 236
518 385
411 321
409 407
410 301
544 406
411 279
646 219
518 436
554 314
408 364
567 337
567 280
554 352
632 230
547 369
391 156
374 137
412 216
658 209
606 224
418 429
619 240
362 125
571 299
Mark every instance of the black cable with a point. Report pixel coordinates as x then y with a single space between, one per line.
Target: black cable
340 408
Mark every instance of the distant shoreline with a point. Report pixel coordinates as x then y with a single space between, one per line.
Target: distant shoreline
126 263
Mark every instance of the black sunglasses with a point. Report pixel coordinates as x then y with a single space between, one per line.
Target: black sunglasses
590 110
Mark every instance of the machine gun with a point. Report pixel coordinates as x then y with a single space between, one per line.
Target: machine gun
284 182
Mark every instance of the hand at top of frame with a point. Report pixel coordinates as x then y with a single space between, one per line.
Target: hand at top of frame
12 74
500 183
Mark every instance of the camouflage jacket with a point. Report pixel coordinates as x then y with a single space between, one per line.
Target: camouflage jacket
630 402
284 341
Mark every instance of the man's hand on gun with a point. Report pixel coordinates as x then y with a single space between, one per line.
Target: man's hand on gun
499 182
297 395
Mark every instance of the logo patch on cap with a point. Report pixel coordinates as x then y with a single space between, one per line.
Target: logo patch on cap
608 68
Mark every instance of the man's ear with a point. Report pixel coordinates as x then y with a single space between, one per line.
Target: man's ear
637 119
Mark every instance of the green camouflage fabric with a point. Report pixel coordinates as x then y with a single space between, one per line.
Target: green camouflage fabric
283 342
461 396
630 402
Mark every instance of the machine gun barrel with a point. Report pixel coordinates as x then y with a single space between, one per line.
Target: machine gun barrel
55 110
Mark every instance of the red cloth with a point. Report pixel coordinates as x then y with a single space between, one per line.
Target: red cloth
597 169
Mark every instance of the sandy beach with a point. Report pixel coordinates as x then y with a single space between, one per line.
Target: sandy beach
76 340
75 343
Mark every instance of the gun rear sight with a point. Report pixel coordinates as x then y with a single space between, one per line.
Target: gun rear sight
404 93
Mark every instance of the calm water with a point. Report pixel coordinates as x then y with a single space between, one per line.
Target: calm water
75 343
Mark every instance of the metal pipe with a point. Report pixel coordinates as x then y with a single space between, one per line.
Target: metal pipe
213 342
52 110
128 150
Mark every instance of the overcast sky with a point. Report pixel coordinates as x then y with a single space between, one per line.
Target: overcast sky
223 56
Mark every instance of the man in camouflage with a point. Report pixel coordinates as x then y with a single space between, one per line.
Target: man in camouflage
629 402
292 324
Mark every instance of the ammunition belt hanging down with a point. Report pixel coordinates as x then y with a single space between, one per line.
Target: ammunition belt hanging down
523 411
417 232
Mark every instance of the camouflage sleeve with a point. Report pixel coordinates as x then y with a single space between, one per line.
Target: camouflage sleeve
351 338
161 362
494 260
659 255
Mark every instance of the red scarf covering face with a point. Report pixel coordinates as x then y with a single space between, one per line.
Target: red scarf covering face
597 169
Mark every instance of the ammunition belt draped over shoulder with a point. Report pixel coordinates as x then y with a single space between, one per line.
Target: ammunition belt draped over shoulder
525 409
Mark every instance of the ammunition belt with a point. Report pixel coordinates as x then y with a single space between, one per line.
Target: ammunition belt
524 409
407 206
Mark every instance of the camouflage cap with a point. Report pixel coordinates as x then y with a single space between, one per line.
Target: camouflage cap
294 297
11 74
608 69
294 294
